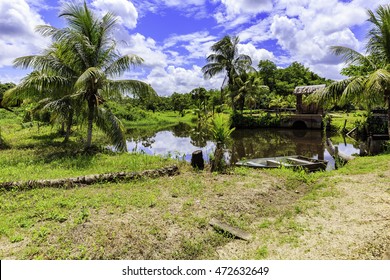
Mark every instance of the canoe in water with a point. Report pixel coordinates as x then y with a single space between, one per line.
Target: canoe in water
295 162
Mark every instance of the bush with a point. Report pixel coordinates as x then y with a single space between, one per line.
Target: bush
128 112
265 120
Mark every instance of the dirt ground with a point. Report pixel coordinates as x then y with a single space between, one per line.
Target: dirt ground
353 223
337 217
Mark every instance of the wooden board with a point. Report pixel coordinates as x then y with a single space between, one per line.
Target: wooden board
230 229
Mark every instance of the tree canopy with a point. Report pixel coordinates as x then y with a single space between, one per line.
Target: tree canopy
80 69
369 82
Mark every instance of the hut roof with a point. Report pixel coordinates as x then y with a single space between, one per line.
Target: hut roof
308 89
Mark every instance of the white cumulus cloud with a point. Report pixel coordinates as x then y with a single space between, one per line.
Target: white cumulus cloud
145 47
17 35
306 29
234 7
177 79
234 13
255 53
124 9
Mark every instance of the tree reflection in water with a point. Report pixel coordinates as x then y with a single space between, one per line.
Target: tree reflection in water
247 143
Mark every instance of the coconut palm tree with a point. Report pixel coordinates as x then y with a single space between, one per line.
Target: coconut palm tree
50 85
249 87
371 86
225 58
93 61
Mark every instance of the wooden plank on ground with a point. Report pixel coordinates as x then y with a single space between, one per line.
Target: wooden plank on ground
300 161
230 229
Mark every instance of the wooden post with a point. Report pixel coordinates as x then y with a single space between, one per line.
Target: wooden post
197 160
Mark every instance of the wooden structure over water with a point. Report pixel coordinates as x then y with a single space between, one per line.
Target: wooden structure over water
312 108
307 115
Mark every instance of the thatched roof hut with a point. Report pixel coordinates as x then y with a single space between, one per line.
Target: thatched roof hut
306 90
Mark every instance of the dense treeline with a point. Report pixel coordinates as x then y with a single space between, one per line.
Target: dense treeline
272 87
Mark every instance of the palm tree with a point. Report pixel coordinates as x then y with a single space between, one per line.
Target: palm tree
371 86
249 87
51 84
93 61
226 58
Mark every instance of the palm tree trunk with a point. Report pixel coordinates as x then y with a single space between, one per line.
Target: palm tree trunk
217 163
68 126
91 110
62 129
388 114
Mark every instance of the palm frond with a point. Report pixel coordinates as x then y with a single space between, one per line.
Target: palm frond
134 87
92 77
112 127
379 36
122 64
330 94
350 56
378 85
212 69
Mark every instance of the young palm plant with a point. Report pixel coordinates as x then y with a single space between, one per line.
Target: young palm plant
370 87
221 132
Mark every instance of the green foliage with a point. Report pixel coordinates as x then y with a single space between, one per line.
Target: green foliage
180 102
125 110
369 82
75 74
247 89
281 102
282 81
376 124
221 132
258 121
4 88
220 129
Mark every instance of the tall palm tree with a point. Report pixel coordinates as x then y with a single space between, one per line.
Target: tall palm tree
225 58
372 86
249 86
90 53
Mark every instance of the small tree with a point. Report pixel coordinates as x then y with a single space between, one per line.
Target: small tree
221 133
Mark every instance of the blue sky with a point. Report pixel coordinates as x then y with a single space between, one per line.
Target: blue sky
174 36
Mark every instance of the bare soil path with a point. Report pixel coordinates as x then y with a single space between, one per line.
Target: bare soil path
351 222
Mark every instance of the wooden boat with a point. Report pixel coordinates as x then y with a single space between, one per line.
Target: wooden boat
295 162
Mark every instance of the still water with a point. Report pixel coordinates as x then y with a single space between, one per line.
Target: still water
180 141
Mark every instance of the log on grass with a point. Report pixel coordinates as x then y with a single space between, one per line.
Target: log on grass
90 179
218 225
333 151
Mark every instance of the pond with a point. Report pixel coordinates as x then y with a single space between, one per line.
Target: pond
180 141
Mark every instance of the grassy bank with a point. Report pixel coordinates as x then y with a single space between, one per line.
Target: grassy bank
168 217
350 120
160 120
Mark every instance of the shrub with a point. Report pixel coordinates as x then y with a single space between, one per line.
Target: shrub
264 120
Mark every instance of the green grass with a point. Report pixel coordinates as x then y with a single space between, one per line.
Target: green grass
339 118
160 120
38 153
162 218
